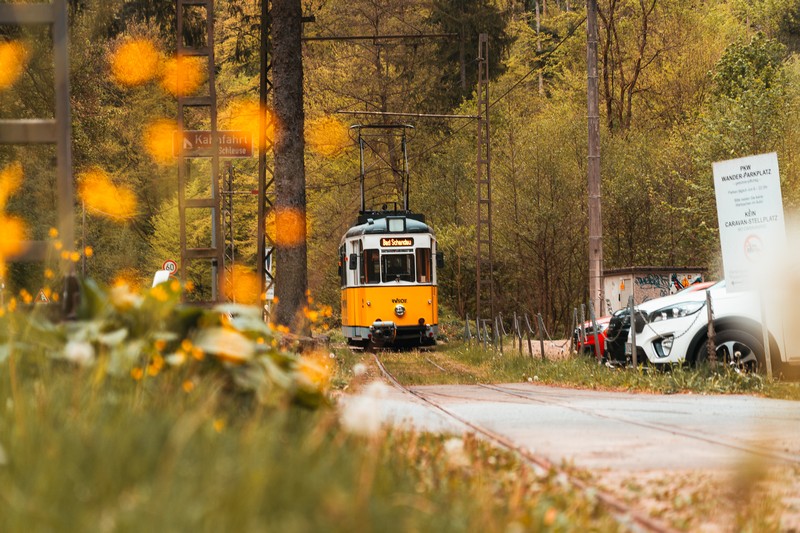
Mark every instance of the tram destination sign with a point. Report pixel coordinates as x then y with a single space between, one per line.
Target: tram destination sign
198 143
397 242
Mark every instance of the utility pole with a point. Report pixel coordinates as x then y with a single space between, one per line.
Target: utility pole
593 166
484 267
539 45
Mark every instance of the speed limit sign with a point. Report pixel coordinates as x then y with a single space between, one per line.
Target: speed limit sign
170 266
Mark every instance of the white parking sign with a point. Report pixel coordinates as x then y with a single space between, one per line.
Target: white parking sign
750 214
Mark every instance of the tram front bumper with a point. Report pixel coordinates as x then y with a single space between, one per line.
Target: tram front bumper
383 332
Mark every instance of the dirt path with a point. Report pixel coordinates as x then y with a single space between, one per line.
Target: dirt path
708 463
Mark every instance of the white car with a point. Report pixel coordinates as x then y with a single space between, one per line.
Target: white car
674 329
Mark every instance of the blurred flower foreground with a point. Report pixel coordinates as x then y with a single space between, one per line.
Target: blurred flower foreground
126 335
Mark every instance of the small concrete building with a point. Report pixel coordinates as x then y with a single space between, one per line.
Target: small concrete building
646 283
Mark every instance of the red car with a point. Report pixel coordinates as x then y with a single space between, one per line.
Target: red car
588 346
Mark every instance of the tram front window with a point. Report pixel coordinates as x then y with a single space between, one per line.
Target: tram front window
371 267
398 267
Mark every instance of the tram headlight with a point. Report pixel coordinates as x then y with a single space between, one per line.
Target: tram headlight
399 310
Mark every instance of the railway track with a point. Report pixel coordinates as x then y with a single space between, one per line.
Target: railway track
628 516
695 435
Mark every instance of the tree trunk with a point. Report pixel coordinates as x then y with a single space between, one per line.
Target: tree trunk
290 181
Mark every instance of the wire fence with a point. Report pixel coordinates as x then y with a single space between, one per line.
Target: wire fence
518 333
519 330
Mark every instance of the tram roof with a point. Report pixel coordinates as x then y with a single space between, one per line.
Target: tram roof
378 225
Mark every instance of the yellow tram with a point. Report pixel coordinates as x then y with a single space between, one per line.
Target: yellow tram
387 269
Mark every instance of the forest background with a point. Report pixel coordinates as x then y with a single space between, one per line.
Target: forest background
682 84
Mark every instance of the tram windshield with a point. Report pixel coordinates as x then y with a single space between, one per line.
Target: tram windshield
398 267
371 267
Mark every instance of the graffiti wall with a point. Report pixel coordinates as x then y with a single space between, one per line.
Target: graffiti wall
649 286
645 284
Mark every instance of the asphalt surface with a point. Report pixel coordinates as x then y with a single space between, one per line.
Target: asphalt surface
607 430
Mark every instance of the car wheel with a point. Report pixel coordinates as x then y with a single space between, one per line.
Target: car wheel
740 350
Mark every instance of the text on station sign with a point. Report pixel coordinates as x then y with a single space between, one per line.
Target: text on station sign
199 143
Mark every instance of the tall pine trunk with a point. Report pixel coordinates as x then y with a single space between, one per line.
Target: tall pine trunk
290 180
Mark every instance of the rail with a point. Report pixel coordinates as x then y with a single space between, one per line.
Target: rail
621 511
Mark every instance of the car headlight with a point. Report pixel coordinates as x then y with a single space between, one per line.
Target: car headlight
676 311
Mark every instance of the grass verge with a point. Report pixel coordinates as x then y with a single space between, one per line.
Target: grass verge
457 362
126 455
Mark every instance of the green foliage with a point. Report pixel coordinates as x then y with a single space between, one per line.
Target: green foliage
684 84
749 67
467 19
123 335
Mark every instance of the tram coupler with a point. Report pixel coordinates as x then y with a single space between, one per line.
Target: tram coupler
383 332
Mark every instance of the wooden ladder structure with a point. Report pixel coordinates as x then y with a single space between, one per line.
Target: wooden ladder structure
214 252
57 130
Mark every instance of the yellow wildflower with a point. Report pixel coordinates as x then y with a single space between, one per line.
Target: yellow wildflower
12 236
10 181
159 141
134 62
104 197
243 115
197 353
13 57
159 293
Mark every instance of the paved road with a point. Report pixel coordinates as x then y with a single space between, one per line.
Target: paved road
616 431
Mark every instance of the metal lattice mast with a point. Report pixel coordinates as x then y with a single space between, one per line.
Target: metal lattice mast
229 257
266 178
484 296
213 253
